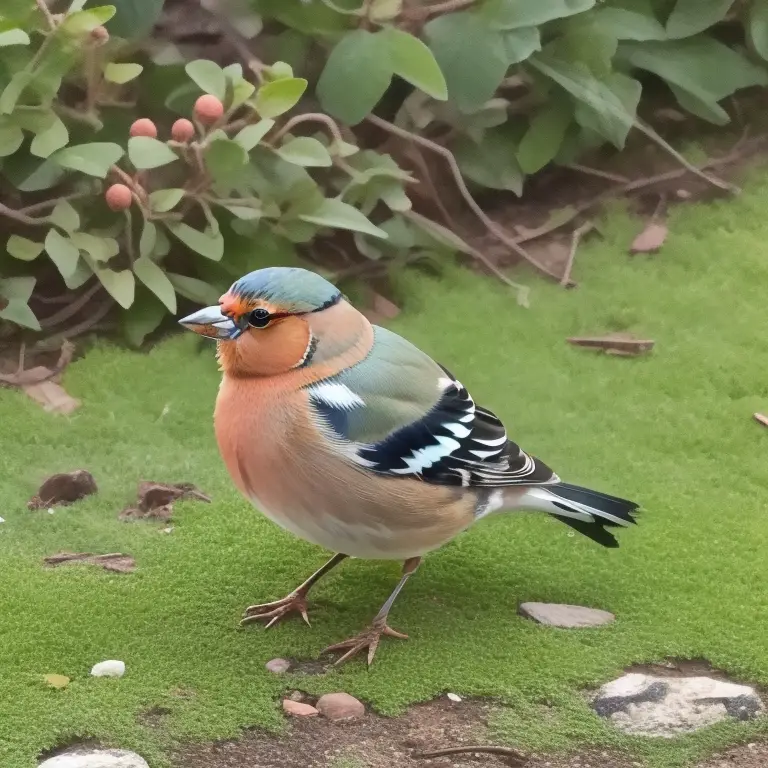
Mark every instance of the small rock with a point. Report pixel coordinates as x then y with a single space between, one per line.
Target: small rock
454 697
298 709
2 519
96 758
296 696
340 706
567 616
51 511
651 239
169 529
278 666
109 668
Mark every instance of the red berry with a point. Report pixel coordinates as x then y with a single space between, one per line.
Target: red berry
144 127
118 197
100 34
182 130
208 109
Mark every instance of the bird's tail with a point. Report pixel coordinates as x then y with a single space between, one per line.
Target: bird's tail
588 512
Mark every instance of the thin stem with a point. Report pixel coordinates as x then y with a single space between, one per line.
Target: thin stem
47 15
447 7
346 11
311 117
129 236
21 217
72 308
578 233
507 751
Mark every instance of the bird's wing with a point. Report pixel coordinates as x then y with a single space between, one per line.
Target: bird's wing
399 413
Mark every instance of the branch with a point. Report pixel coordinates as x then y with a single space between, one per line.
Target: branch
447 7
578 233
22 217
72 308
311 117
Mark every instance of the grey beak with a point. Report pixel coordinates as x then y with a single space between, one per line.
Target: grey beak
212 323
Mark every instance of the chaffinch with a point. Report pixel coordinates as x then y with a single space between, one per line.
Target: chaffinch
349 436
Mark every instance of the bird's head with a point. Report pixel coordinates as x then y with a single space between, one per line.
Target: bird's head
269 321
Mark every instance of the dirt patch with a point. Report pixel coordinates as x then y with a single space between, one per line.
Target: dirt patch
745 756
116 561
155 500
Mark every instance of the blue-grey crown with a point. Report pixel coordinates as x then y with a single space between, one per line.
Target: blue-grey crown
293 289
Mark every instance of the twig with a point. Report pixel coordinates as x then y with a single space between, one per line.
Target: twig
597 172
497 231
578 233
418 158
21 217
38 374
311 117
53 202
71 309
47 15
88 324
507 751
236 40
447 7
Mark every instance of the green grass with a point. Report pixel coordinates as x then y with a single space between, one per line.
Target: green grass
673 431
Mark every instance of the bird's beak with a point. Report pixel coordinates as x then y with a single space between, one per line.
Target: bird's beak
212 323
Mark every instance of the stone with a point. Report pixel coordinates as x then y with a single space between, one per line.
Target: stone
278 666
454 697
95 758
299 709
340 706
109 668
566 616
666 706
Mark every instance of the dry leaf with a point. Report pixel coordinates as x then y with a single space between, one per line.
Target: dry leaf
57 681
622 344
651 239
156 500
761 419
63 489
52 396
112 562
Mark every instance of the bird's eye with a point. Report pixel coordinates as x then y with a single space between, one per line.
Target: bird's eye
259 318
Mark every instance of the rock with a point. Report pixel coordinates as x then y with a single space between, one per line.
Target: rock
568 616
109 668
454 697
2 519
298 709
340 706
96 758
278 666
665 706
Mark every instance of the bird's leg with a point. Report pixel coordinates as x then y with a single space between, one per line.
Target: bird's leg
369 638
295 601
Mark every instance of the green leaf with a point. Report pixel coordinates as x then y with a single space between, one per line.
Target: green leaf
492 163
17 288
82 274
519 44
62 252
305 151
245 213
513 14
413 61
93 159
440 234
242 89
144 316
52 139
250 136
384 10
757 26
13 90
11 138
145 152
17 291
82 22
275 98
100 249
471 55
23 249
164 200
339 215
343 149
689 17
209 77
355 77
65 216
135 18
148 239
121 286
156 280
193 289
633 23
13 36
545 134
209 245
122 73
225 160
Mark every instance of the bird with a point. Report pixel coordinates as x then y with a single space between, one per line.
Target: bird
350 437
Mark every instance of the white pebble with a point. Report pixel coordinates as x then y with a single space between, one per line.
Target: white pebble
109 668
169 529
2 519
454 697
51 511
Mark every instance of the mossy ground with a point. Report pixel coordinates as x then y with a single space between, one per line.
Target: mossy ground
673 431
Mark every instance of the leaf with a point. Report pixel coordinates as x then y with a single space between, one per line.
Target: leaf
144 316
82 22
135 18
245 213
145 153
492 163
250 136
18 312
757 26
93 159
384 10
52 139
65 216
148 239
156 280
651 239
122 73
414 62
193 289
13 36
120 285
62 252
513 14
164 200
355 77
11 138
545 134
208 245
100 249
57 681
689 17
471 56
519 44
225 160
209 77
23 249
13 91
275 98
339 215
18 290
82 274
439 233
636 23
305 151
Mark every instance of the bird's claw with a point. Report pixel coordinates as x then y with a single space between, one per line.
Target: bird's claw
369 638
277 610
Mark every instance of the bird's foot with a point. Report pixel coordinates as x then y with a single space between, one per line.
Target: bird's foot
368 639
273 612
